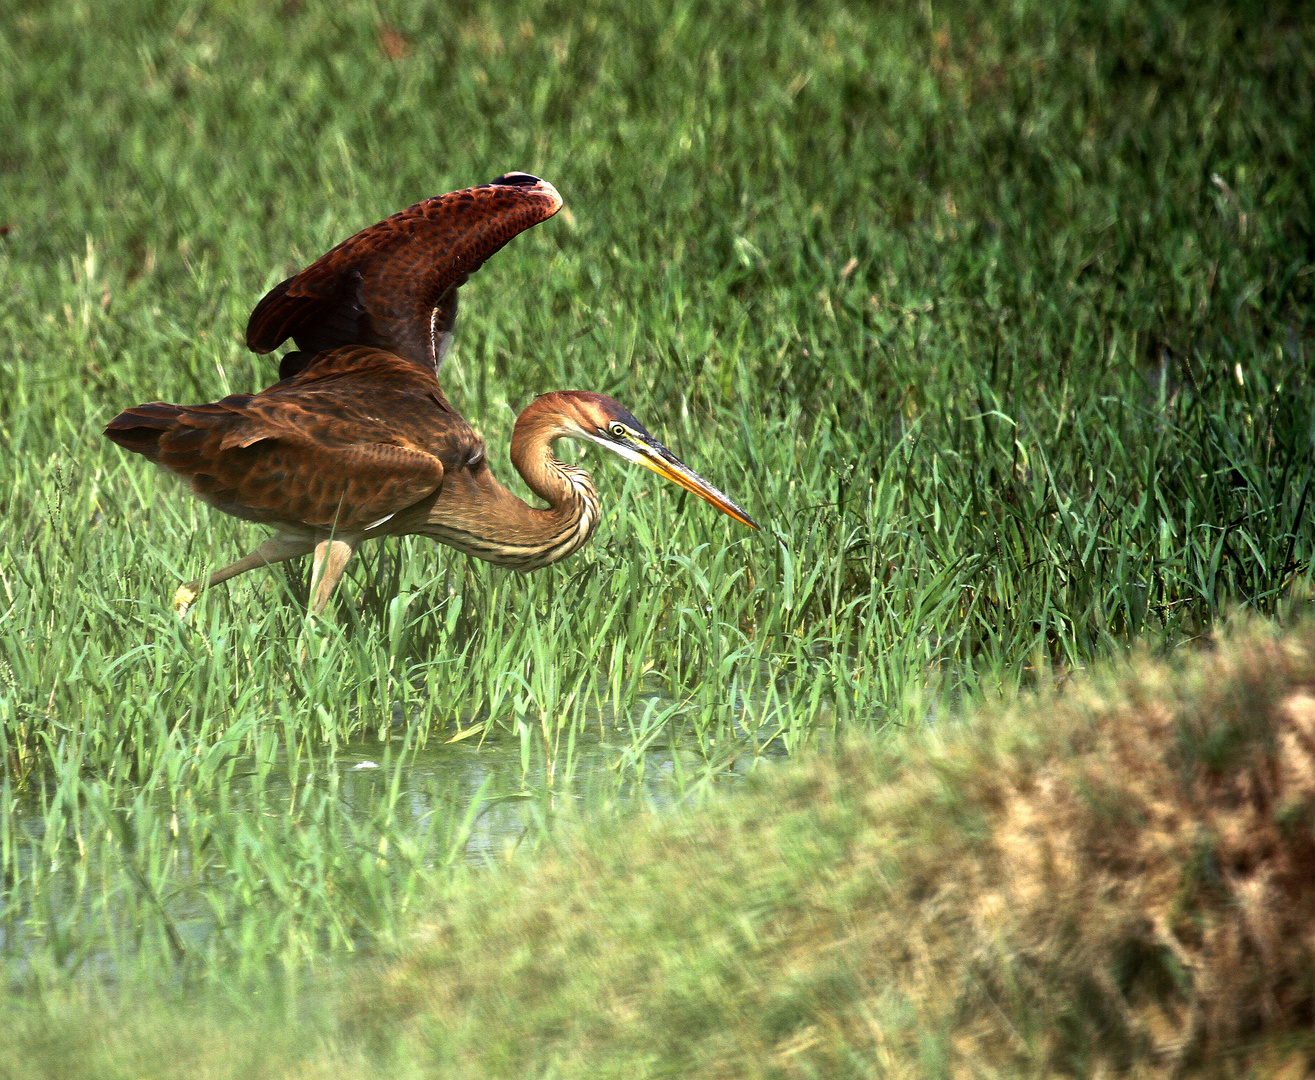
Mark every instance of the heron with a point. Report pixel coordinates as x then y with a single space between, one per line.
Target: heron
357 439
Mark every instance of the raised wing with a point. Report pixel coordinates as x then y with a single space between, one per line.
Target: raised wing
394 285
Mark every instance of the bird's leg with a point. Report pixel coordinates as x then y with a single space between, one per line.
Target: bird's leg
331 557
275 549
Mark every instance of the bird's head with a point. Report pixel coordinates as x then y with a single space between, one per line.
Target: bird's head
596 418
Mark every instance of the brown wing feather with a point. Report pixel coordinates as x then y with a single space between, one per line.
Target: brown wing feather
358 435
394 285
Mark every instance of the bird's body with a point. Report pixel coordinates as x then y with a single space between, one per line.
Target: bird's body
358 440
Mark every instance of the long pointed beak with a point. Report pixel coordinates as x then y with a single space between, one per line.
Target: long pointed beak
653 455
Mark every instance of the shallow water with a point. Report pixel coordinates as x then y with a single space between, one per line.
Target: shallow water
104 881
450 777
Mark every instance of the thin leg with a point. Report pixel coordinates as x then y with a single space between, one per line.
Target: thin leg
274 550
331 557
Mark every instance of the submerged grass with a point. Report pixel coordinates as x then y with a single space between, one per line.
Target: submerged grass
1113 878
997 316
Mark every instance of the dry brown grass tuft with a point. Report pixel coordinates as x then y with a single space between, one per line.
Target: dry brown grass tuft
1157 884
1143 893
1116 879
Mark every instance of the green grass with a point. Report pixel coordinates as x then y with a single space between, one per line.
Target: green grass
899 908
998 317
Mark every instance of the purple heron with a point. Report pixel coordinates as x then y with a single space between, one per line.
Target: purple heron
357 440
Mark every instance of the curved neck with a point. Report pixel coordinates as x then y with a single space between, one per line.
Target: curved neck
477 515
555 482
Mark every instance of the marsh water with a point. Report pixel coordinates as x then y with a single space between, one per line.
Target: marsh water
282 855
508 792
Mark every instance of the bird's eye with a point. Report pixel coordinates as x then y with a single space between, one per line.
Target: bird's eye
618 430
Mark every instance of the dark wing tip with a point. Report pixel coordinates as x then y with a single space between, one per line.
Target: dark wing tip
514 179
267 327
535 188
294 363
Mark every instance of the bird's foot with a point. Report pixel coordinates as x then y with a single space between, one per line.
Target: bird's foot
183 599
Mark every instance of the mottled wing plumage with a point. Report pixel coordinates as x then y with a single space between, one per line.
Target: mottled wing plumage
355 437
394 285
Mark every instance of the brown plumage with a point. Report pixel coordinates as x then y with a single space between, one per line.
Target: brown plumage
395 284
358 439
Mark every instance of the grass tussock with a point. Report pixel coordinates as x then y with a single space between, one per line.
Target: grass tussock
1119 878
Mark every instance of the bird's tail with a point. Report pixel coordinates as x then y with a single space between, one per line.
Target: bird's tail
140 429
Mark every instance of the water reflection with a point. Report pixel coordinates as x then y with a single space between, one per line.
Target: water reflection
254 860
510 793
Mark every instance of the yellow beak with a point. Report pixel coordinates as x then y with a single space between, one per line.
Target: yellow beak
653 455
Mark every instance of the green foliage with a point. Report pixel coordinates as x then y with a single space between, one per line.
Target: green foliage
1058 885
1054 887
997 316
